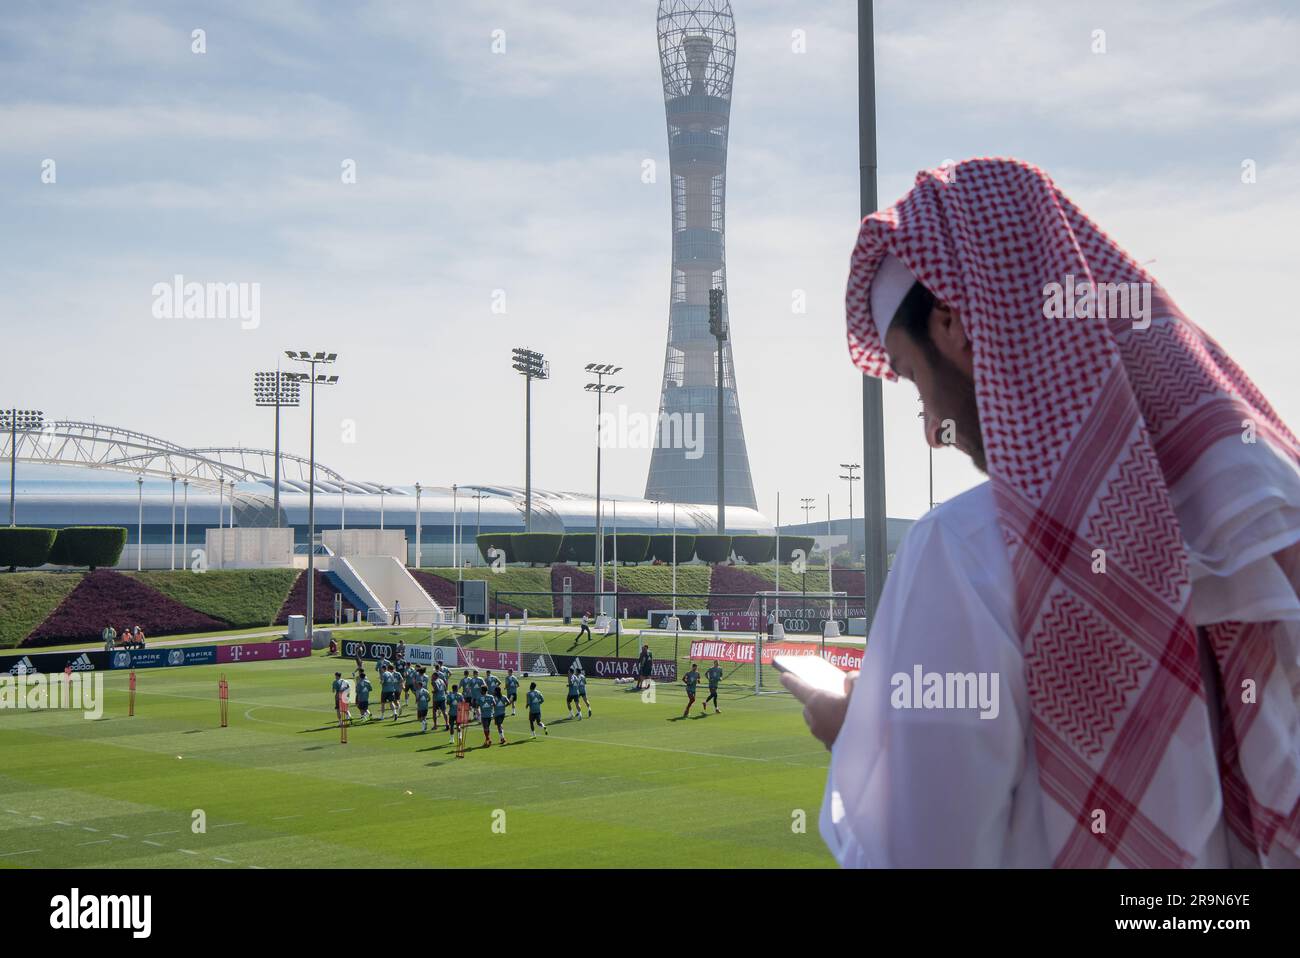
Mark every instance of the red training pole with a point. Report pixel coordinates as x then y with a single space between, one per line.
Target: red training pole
223 693
131 706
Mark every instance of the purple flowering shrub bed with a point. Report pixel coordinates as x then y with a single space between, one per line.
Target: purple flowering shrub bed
443 591
105 598
296 604
731 579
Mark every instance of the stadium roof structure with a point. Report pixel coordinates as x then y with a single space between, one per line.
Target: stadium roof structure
70 442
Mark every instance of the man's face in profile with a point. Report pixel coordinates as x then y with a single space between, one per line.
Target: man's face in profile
943 371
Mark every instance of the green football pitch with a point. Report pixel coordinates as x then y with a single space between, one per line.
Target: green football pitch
632 786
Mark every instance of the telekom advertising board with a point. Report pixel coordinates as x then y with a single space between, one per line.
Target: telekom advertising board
259 651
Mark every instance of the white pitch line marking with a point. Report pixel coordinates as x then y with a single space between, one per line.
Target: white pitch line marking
285 818
230 825
89 829
25 851
116 835
186 851
154 844
57 822
226 860
152 834
102 841
38 817
333 810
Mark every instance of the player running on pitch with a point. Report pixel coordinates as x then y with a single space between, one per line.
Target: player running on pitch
535 701
364 688
714 675
422 708
499 712
512 688
691 680
571 699
440 701
340 688
454 698
390 681
582 690
487 702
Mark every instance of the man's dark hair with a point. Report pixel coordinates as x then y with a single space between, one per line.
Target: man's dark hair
913 316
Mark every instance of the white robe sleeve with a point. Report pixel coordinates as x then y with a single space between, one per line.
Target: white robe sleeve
934 787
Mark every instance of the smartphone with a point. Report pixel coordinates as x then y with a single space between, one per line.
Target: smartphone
812 669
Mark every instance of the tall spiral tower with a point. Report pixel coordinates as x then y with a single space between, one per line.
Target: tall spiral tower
697 56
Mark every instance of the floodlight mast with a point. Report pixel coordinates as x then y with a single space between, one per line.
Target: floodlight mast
313 360
600 388
531 365
15 420
276 389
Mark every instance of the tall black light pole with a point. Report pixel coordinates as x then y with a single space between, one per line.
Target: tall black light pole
14 420
279 390
313 360
873 409
600 388
852 467
531 365
718 328
478 498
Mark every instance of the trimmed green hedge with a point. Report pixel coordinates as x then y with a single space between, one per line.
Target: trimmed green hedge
91 546
632 547
537 548
754 549
661 548
790 543
25 546
579 547
496 540
713 548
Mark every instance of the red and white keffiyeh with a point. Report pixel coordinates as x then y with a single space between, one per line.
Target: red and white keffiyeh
1151 445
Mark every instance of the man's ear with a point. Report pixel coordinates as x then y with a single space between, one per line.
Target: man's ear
949 336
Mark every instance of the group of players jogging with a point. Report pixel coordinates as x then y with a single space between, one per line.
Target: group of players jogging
474 700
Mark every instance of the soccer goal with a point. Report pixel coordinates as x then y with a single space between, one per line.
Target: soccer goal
800 624
492 647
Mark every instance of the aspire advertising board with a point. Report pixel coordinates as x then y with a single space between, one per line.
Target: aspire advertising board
845 658
164 658
261 651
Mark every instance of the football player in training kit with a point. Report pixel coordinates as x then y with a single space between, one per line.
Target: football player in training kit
574 693
512 688
487 703
692 680
714 675
535 701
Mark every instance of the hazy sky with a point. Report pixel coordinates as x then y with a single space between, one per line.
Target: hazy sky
521 171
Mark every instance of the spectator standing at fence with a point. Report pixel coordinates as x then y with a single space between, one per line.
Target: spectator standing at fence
397 613
586 627
110 636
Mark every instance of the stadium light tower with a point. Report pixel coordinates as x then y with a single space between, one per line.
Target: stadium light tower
807 504
278 390
531 365
15 420
600 388
312 360
852 467
139 534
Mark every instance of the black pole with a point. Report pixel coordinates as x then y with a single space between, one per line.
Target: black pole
528 452
873 419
